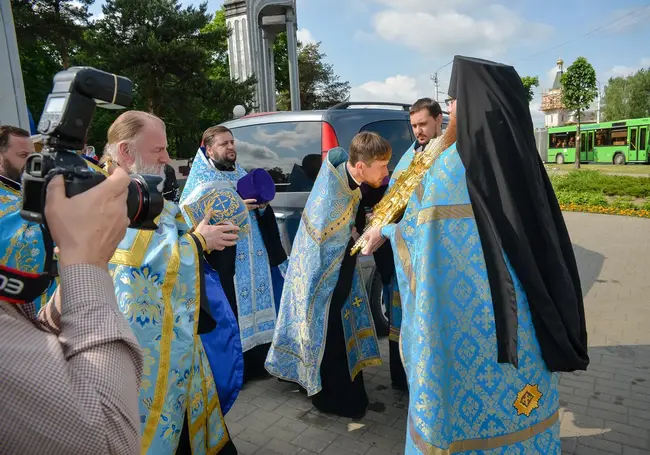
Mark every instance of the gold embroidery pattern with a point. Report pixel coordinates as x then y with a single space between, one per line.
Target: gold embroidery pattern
134 255
445 212
527 400
226 206
153 419
419 192
394 332
405 258
319 236
9 189
484 443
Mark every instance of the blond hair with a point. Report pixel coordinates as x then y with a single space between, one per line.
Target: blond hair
369 147
126 128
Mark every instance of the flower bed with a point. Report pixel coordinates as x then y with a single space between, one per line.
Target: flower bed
593 192
640 213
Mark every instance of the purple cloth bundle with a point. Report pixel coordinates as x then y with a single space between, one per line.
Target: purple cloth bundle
257 184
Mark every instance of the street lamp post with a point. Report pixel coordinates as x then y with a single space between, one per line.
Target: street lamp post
599 101
434 78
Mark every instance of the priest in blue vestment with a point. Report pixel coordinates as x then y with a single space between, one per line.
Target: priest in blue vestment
22 245
496 306
325 333
426 120
251 273
161 290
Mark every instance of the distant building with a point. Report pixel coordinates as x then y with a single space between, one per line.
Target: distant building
555 114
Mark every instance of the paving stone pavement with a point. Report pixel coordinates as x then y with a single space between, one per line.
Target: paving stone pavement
605 410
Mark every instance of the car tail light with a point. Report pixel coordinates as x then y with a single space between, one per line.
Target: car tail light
328 139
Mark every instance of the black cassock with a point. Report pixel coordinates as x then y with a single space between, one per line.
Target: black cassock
223 262
385 263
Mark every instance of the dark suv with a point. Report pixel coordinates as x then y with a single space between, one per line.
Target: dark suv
291 147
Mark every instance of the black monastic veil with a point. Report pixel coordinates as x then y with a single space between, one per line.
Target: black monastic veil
517 212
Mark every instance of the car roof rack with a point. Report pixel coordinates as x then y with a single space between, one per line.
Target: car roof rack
347 104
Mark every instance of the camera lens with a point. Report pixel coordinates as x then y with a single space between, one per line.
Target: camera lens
144 202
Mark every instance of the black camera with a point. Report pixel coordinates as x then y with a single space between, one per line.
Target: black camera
64 125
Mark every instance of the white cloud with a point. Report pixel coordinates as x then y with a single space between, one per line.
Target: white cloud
625 70
407 89
446 30
305 37
399 89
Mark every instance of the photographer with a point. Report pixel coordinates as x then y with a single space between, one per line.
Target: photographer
158 282
71 375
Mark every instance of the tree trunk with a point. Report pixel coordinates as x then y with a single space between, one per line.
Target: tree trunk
578 143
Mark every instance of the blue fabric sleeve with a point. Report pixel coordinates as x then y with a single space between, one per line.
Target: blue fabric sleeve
223 345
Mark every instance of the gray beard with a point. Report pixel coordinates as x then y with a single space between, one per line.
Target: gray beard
158 170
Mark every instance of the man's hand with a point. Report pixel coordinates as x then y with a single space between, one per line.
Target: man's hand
88 227
220 236
355 234
375 240
251 204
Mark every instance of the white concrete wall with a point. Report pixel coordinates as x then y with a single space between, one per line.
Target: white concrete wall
13 107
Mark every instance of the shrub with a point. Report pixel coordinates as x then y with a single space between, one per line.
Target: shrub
597 182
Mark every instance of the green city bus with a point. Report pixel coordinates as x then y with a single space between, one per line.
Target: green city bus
620 142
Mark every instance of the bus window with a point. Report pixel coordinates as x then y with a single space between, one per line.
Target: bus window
642 138
602 138
572 139
619 137
555 140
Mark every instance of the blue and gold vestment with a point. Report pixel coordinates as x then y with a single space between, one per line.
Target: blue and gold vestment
157 276
394 298
461 399
208 188
21 242
318 250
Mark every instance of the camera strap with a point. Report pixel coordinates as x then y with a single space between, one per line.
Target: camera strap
20 287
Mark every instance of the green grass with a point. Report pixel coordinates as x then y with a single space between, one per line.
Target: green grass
597 185
636 169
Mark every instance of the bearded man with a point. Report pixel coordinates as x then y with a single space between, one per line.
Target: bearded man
252 272
22 245
158 278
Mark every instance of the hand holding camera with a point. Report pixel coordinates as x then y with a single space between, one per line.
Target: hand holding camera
88 227
64 125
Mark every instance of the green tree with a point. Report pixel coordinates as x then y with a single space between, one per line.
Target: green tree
627 97
177 59
320 87
50 33
578 92
530 82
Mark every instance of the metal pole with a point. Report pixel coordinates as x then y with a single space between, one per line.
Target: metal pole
599 98
434 78
292 50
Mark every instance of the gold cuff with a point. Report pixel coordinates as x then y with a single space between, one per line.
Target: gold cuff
201 240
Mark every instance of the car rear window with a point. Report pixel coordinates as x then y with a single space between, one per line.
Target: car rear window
398 132
289 151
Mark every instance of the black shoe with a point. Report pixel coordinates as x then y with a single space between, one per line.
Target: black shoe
400 387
